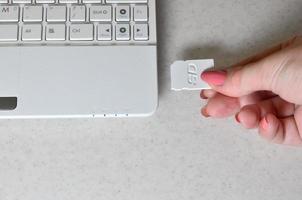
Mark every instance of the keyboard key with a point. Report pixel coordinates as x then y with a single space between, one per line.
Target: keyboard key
78 13
68 1
3 1
8 32
105 32
9 13
32 13
31 32
92 1
56 32
141 32
81 32
101 13
122 13
21 1
126 1
140 13
56 14
122 32
45 1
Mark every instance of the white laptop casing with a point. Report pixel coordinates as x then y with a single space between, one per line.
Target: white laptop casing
55 81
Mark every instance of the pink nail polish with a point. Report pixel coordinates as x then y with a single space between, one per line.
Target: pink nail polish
205 113
216 78
202 95
237 118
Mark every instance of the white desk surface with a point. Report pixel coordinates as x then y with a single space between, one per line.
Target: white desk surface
174 155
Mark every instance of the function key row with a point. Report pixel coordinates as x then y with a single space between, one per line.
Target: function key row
78 13
76 32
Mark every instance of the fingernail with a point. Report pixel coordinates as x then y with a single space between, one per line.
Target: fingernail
205 113
265 123
202 95
216 78
237 118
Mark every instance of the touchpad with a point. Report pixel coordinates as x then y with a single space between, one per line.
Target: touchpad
10 72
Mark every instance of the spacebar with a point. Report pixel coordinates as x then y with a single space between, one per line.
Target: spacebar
126 1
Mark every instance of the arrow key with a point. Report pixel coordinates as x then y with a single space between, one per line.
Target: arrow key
104 32
141 32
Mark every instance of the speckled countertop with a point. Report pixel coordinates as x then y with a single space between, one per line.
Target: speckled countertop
174 155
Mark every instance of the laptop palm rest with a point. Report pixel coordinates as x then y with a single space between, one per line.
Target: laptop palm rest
57 82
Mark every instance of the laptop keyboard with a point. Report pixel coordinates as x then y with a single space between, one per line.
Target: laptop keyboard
74 20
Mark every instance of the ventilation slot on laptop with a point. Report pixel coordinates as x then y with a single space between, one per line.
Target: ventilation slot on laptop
8 103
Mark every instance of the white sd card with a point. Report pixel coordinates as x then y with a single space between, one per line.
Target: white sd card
185 75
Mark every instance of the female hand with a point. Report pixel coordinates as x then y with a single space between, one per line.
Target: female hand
263 92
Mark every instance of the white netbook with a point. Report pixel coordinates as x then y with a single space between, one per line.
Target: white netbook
78 58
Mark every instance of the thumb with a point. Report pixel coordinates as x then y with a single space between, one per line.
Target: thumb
275 72
240 81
